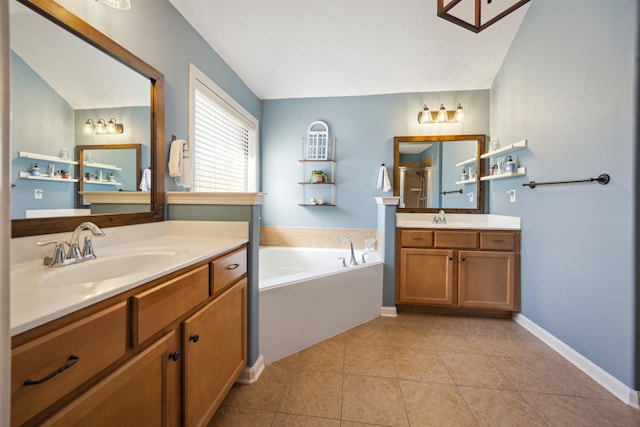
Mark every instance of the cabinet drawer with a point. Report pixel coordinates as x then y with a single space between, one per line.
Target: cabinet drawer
416 239
498 241
85 348
456 239
227 269
158 307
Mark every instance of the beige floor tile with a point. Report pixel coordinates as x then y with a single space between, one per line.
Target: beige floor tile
354 424
288 420
373 400
450 341
263 394
558 410
435 405
420 365
621 414
369 359
474 370
313 393
409 337
289 362
324 356
231 416
498 408
504 343
367 333
545 375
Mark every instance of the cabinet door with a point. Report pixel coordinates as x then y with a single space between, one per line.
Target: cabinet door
486 280
137 394
215 353
426 276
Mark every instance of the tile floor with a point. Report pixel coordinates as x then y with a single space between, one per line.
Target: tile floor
425 370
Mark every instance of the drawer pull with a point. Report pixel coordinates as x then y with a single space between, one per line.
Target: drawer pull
72 361
464 259
450 258
232 266
418 239
498 241
174 356
194 337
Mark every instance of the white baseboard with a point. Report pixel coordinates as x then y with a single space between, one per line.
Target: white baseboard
250 374
388 311
623 392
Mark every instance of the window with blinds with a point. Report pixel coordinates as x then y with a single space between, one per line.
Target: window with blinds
224 138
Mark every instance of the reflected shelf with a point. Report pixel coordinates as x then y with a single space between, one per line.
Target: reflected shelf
466 162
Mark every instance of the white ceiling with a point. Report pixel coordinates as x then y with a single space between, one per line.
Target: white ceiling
319 48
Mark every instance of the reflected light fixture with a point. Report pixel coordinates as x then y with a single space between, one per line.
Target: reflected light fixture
101 127
476 15
118 4
442 115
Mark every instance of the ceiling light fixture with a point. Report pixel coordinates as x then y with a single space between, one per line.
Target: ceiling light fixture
442 115
476 15
118 4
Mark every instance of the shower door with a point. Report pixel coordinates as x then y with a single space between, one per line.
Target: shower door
415 187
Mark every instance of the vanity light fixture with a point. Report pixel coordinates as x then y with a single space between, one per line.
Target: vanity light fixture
118 4
442 115
101 127
470 13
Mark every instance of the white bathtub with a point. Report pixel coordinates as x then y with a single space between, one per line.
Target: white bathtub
306 296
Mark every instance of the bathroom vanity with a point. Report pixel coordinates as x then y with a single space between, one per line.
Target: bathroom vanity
163 351
469 265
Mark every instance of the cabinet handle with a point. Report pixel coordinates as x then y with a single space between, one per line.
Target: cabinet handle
232 266
498 241
194 337
72 361
464 259
418 238
450 258
174 356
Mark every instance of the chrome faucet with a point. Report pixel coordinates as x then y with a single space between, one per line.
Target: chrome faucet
440 218
87 250
352 260
59 258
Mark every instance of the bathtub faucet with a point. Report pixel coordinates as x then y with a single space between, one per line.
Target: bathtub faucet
352 260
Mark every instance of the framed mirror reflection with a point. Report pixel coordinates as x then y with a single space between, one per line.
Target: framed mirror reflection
439 172
71 86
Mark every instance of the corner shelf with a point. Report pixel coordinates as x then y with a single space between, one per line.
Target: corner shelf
520 172
27 175
305 168
507 149
46 158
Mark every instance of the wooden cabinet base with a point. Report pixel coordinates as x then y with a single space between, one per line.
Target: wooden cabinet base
480 312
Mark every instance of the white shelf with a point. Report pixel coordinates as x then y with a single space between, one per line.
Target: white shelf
467 181
89 181
35 156
520 172
102 166
504 150
466 162
27 175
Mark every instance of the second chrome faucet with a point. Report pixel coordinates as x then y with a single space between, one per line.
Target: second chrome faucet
352 260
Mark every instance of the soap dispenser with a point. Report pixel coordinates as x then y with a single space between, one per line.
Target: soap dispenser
464 176
510 165
35 170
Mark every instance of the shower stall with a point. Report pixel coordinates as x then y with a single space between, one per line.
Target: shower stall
416 187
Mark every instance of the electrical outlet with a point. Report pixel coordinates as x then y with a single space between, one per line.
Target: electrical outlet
38 194
512 195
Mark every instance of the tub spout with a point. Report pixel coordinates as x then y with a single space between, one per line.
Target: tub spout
352 260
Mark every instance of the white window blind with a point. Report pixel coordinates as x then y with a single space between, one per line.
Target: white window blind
224 144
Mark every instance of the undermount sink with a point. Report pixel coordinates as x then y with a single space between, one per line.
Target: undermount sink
97 275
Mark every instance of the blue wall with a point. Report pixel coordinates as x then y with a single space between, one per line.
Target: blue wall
568 87
364 128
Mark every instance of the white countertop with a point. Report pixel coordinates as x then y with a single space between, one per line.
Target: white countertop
188 241
459 221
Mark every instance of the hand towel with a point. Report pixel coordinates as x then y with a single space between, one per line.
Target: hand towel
184 179
145 181
175 157
383 179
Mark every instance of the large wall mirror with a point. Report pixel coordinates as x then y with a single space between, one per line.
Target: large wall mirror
65 78
439 172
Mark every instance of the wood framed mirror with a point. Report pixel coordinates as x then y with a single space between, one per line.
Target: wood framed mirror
431 173
54 13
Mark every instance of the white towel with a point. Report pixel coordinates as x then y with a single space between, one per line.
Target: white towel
184 179
145 181
383 179
175 157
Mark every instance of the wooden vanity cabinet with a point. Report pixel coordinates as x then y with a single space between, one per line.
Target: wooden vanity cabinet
138 360
455 271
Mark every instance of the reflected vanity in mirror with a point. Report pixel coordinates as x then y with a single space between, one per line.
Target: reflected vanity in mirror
108 168
65 73
439 172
